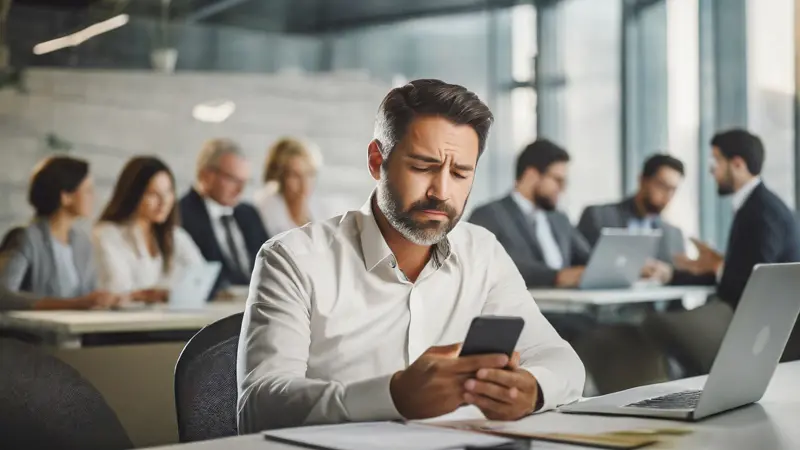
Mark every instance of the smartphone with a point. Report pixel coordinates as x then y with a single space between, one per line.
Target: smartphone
492 334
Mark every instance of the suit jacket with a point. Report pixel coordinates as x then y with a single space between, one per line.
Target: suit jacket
617 215
763 231
31 266
508 223
197 222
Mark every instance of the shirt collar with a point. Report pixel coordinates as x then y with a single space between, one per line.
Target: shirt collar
741 196
523 203
215 210
373 244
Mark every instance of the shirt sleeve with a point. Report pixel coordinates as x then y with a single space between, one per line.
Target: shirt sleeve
556 366
273 356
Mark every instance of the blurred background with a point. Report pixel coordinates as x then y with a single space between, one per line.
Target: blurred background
611 80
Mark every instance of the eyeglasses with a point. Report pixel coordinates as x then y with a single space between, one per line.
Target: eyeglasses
230 177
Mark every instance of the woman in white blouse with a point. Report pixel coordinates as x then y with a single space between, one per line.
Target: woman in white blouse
138 241
285 200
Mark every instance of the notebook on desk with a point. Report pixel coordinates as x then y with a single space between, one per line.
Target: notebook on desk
388 436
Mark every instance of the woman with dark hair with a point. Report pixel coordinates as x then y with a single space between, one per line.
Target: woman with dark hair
51 257
138 242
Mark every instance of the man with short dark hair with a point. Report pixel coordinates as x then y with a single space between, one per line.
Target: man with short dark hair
661 176
546 248
350 319
764 230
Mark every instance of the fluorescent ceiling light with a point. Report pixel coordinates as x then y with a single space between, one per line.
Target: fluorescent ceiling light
82 36
217 111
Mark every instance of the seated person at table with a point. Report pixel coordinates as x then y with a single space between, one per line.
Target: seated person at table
764 230
138 241
225 229
660 178
545 247
358 318
52 257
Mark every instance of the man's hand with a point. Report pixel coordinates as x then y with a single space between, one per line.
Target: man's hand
657 270
503 394
708 260
434 384
569 277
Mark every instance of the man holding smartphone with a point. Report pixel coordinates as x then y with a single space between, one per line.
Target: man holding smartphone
360 317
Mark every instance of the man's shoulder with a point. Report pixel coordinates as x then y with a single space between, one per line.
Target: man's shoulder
317 237
470 237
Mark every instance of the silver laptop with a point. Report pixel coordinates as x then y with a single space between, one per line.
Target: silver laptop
191 290
618 258
744 365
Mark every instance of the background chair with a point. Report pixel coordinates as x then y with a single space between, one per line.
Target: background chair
205 382
45 403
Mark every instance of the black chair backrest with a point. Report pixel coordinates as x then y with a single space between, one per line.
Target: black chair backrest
205 382
12 241
46 403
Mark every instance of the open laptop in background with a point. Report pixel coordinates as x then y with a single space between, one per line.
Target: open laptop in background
744 365
618 258
189 291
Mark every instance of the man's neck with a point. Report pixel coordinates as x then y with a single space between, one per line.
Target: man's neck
638 206
527 194
411 258
742 182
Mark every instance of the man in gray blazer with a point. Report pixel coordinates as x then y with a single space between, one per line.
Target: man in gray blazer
546 248
661 176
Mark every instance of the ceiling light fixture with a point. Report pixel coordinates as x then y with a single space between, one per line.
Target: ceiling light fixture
81 36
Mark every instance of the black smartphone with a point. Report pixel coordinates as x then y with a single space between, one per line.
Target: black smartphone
492 334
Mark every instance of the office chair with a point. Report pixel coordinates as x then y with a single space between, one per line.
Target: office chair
45 403
205 382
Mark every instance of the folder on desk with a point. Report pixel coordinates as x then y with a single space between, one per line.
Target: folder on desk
386 435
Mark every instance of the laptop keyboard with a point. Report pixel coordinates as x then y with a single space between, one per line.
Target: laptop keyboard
678 400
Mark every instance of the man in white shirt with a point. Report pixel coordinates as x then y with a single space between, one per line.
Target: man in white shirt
224 229
360 317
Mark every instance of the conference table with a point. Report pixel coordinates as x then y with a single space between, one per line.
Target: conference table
141 346
769 424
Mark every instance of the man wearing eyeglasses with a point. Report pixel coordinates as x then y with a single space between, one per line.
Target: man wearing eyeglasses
661 176
224 229
546 248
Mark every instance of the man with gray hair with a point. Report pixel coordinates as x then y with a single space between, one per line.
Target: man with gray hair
224 229
360 317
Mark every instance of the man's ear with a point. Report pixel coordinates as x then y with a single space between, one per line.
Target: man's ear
375 159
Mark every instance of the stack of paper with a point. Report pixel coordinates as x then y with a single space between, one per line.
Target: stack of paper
385 435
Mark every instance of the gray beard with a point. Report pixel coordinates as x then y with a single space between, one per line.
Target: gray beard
401 221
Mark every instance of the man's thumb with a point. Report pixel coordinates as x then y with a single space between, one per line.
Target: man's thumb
446 350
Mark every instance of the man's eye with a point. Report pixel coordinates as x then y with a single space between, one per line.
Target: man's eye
419 169
459 176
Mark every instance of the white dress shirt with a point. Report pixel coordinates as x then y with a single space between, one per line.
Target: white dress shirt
330 318
275 214
216 212
124 263
544 234
741 196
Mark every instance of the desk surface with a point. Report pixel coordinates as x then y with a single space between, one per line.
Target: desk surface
637 294
769 424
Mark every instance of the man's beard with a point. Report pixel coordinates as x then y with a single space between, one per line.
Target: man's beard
650 208
429 232
543 202
725 187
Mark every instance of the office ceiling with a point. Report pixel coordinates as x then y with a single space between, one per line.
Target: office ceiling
292 16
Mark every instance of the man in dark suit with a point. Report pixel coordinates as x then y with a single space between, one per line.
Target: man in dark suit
764 230
661 176
546 248
224 229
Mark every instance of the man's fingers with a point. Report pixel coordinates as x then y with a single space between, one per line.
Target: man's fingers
515 361
446 350
505 378
494 391
471 364
492 409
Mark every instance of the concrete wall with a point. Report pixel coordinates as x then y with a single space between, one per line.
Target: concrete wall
110 116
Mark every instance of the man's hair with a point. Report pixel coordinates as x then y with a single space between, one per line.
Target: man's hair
540 154
741 143
657 161
213 150
429 98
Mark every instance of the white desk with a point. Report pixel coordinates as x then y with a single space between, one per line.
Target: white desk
66 329
770 424
567 299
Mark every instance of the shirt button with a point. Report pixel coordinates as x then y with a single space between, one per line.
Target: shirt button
392 262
